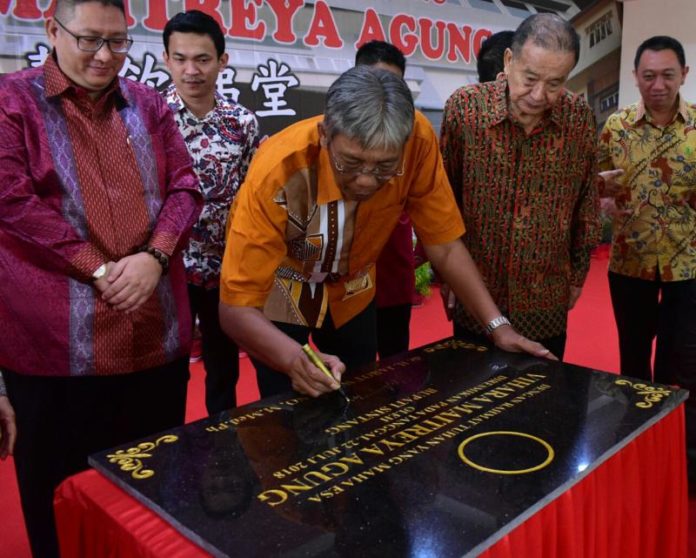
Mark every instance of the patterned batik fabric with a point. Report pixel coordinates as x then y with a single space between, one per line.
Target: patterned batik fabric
529 201
221 145
654 229
86 182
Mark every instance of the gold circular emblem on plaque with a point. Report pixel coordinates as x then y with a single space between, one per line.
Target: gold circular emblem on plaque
545 444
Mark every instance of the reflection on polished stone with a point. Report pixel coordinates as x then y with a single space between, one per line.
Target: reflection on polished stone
441 452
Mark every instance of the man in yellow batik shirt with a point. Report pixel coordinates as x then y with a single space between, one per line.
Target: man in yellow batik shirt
648 159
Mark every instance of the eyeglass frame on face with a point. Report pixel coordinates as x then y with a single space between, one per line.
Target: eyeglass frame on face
100 41
341 169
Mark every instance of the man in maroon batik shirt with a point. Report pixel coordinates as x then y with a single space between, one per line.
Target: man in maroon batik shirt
97 196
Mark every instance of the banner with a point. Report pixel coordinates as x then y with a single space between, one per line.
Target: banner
284 54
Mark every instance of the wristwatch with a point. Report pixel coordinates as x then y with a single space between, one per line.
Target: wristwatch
100 272
495 323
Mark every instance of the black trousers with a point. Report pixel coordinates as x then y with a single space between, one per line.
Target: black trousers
355 343
61 421
393 330
555 344
645 310
220 353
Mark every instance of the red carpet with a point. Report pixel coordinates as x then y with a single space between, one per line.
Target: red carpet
591 342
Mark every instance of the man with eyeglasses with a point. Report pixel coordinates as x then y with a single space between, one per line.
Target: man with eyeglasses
318 204
395 267
98 196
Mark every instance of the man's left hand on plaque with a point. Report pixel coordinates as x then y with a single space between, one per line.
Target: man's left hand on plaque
506 338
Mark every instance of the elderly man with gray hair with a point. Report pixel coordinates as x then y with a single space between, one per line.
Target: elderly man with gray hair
520 153
319 202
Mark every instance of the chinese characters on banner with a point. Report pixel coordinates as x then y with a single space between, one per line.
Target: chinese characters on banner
272 79
284 54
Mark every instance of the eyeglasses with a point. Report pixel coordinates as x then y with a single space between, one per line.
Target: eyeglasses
381 173
93 44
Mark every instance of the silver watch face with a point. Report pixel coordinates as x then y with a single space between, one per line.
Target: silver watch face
100 272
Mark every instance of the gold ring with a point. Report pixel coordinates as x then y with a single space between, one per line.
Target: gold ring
465 459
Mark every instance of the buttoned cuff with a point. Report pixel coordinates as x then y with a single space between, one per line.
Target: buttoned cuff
3 390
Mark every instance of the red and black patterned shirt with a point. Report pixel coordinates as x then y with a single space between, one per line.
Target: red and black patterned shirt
530 201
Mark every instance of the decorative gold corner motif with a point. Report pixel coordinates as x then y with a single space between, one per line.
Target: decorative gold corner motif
651 394
131 459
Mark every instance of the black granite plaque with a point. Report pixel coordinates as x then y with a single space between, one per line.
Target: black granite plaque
441 452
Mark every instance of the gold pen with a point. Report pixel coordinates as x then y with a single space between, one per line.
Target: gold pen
316 361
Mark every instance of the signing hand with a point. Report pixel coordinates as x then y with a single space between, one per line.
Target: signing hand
131 281
506 338
307 378
448 300
8 427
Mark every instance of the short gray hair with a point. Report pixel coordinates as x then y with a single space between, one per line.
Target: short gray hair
548 31
374 107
